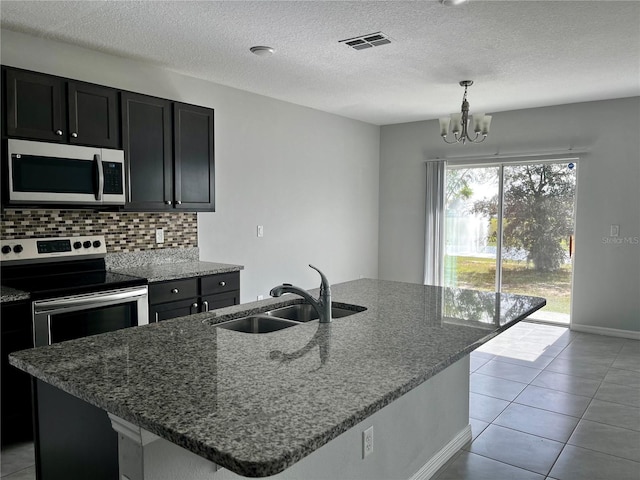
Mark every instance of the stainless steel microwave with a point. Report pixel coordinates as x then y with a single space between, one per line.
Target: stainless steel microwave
51 173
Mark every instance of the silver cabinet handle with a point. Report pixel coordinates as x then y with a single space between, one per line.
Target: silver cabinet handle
194 308
178 202
157 317
205 304
58 132
74 135
174 290
222 284
167 202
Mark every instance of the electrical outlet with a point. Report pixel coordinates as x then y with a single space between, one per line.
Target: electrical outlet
260 231
367 442
159 235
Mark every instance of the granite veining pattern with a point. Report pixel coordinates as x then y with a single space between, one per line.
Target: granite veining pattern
114 261
8 294
173 271
256 404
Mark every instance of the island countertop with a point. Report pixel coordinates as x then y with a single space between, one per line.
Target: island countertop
256 404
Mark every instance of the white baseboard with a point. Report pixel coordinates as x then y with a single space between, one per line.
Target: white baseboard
611 332
443 456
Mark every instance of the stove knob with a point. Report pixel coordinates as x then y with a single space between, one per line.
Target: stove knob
86 244
6 249
77 245
96 244
17 248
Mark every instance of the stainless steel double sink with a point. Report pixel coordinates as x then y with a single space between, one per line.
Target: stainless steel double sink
284 317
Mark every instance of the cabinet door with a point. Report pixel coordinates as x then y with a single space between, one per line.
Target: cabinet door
35 107
165 311
16 385
93 115
146 139
193 158
211 302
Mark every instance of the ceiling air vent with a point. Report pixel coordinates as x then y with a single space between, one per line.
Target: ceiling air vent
366 41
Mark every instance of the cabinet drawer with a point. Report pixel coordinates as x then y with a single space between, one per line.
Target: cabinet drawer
224 282
173 290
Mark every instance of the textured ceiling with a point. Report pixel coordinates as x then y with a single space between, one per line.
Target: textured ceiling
519 53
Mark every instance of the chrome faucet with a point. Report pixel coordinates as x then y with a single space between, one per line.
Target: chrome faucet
322 305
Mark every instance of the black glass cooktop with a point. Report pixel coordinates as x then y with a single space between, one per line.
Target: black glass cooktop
69 278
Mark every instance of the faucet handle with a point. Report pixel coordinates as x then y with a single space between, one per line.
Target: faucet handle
325 283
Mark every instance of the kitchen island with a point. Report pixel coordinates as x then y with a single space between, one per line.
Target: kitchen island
184 392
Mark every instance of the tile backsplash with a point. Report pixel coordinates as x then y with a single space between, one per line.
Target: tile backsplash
123 231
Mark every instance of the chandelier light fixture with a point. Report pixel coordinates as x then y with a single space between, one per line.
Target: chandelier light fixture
459 122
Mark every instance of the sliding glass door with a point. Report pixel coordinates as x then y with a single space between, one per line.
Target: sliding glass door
509 228
471 220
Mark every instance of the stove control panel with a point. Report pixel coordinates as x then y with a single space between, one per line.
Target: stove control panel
39 249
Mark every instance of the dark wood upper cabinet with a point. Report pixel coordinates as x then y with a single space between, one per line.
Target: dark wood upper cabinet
168 146
147 142
34 106
49 108
93 115
193 157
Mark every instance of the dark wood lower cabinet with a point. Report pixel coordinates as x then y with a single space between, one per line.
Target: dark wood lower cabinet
16 420
165 311
221 300
74 440
178 298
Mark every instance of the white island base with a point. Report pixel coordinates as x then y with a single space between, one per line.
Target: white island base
414 436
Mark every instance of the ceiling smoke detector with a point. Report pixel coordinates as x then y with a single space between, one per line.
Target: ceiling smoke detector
366 41
262 51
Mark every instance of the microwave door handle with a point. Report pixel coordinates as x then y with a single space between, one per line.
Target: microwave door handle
100 186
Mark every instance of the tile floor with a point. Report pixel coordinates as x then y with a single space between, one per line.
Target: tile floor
550 404
545 404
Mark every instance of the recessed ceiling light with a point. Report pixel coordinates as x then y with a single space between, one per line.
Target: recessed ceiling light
262 51
452 3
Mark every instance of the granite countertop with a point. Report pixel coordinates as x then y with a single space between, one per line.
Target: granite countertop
152 272
8 294
153 265
173 271
256 404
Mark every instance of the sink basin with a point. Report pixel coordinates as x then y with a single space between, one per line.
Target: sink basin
284 317
257 324
303 312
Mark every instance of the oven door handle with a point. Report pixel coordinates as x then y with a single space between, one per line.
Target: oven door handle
69 304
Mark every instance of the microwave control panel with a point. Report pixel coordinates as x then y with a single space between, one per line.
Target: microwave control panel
112 177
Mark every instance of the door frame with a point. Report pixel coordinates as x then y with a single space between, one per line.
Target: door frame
507 160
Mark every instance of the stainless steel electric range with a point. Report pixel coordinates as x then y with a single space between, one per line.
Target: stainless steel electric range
72 293
72 296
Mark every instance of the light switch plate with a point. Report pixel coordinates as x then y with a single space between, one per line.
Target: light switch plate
615 230
159 235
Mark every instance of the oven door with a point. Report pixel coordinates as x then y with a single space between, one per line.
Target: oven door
59 319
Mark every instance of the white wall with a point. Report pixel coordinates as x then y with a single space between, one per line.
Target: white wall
606 276
309 177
